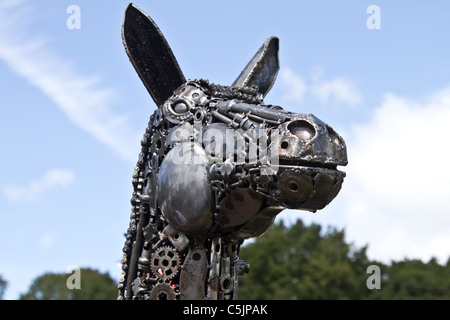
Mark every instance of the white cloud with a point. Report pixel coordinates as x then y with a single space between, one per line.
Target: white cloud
295 86
82 98
397 185
53 179
336 90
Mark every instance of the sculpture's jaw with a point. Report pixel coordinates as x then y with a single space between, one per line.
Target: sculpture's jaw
308 187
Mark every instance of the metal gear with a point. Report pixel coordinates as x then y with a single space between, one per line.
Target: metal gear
165 263
163 291
157 143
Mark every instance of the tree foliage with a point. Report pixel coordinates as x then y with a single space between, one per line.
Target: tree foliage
414 279
304 262
289 262
53 286
3 285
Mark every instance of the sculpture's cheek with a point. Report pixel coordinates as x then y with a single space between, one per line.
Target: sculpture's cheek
307 188
185 196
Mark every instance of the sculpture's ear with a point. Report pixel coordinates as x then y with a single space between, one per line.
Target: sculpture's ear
150 55
262 69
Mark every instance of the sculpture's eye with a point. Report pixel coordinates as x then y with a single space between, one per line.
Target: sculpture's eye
180 107
177 109
302 129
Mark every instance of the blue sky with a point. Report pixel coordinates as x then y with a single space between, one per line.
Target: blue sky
73 111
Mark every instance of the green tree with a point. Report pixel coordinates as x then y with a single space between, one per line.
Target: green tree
53 286
3 286
302 262
414 279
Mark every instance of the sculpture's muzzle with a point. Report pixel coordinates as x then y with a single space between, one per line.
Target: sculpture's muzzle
309 152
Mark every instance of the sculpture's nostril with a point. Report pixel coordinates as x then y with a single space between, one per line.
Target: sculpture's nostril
284 145
293 186
302 129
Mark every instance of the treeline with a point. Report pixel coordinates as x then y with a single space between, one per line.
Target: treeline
289 262
93 285
306 262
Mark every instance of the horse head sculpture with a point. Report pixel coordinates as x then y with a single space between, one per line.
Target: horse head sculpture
216 167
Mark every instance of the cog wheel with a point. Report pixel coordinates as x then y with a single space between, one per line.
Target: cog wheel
165 263
158 141
163 291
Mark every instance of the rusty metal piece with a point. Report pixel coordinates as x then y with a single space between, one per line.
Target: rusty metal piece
239 207
193 275
226 282
162 291
176 238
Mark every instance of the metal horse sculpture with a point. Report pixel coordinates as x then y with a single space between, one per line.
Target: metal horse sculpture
217 165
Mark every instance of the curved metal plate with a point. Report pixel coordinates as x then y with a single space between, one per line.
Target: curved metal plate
184 194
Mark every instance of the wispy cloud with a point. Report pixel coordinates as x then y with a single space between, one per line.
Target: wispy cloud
85 101
295 86
336 90
53 179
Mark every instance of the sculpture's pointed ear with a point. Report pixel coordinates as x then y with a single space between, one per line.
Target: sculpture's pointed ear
150 55
262 69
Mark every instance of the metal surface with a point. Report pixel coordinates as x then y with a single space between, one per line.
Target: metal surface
185 197
216 167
